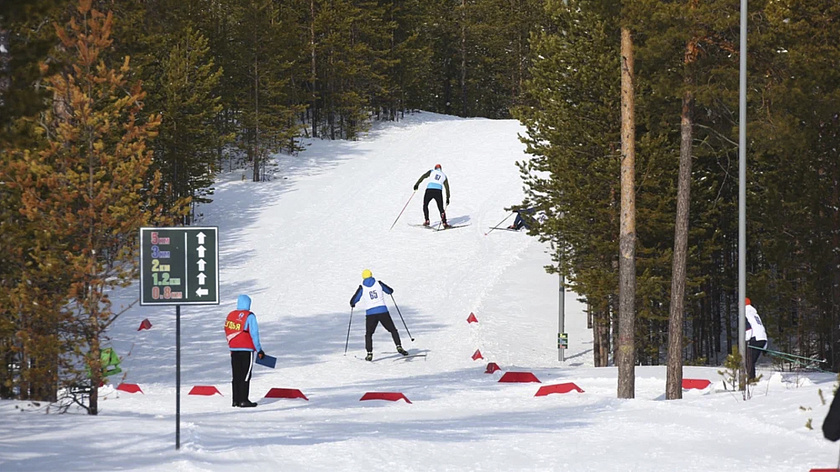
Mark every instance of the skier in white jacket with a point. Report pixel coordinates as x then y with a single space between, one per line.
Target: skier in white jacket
756 336
434 191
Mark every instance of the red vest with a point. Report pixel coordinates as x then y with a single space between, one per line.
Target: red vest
235 332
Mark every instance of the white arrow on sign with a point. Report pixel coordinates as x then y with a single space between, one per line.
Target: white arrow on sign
201 250
201 292
200 237
201 265
201 278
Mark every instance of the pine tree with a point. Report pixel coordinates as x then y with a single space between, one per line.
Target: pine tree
794 177
185 149
572 117
265 99
90 189
25 48
27 362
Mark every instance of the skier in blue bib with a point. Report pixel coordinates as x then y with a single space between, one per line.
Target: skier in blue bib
434 191
372 296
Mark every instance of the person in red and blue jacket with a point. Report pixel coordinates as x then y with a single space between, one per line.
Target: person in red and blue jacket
243 337
370 293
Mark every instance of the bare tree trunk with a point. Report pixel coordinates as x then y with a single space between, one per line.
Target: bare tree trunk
5 58
626 358
95 364
673 383
834 300
257 157
314 76
596 339
464 58
601 338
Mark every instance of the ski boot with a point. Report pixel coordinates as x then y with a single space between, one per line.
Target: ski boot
443 220
426 223
402 351
369 356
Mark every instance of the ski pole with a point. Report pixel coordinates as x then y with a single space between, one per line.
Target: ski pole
785 354
497 224
401 212
401 317
838 463
347 342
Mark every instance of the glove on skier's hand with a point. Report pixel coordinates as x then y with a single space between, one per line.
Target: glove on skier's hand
261 354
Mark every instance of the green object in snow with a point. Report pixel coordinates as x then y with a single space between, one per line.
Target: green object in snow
110 362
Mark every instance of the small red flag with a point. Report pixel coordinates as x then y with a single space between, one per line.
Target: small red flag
145 324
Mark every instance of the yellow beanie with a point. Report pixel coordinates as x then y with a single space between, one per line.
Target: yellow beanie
366 273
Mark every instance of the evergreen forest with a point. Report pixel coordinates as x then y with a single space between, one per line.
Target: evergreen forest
119 114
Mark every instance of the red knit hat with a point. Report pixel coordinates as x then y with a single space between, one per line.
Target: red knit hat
746 301
437 166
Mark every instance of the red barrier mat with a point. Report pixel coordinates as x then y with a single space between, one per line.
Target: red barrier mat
205 390
699 384
130 388
390 396
519 377
557 388
285 393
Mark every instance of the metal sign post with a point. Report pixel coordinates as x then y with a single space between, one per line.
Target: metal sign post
562 338
179 266
742 200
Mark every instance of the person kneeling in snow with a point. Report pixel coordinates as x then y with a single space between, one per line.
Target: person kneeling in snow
370 293
525 218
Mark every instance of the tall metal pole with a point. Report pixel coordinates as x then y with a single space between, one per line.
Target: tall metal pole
742 197
561 326
177 376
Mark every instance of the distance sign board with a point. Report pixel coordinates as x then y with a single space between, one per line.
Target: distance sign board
179 266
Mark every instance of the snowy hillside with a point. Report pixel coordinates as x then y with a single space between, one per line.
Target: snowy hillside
298 244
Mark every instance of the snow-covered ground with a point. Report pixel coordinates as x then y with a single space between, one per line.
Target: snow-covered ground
298 244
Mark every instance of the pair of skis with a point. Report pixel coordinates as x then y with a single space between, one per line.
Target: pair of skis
395 356
432 227
438 226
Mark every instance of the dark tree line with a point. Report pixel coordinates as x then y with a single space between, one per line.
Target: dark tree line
687 72
198 85
176 91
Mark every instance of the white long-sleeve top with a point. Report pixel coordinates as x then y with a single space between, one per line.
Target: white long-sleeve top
756 327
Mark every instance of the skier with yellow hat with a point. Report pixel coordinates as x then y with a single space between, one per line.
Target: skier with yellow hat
371 294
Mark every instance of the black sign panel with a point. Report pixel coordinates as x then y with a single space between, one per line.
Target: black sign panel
179 266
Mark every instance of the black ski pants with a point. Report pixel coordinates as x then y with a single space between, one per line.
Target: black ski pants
753 356
435 194
372 321
241 363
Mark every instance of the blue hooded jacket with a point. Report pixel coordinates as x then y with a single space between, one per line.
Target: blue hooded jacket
244 303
